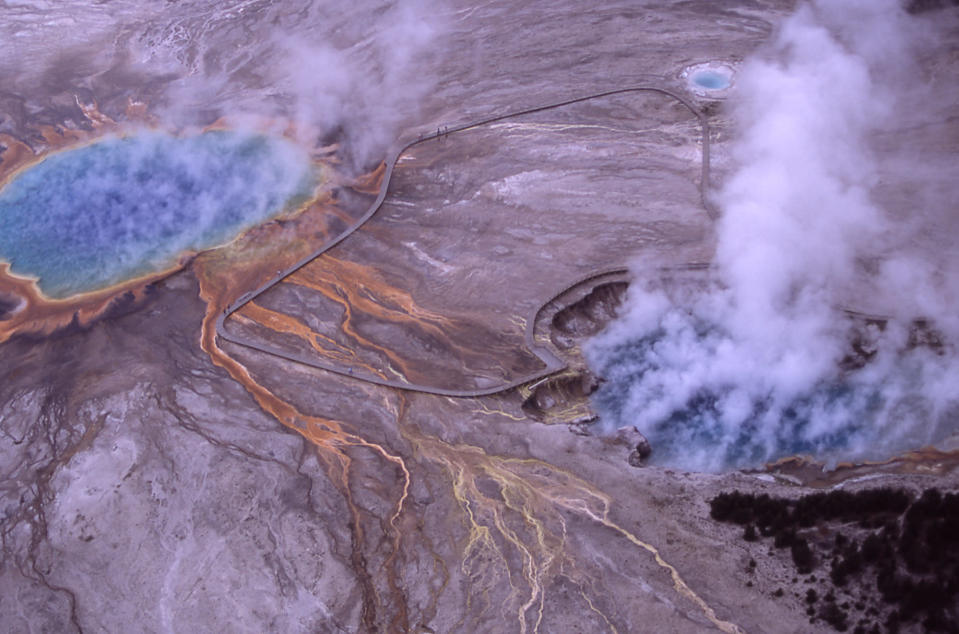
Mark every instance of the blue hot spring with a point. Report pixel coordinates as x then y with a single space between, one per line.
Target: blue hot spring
696 435
87 218
710 80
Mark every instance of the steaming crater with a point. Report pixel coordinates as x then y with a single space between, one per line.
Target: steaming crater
704 406
88 218
699 433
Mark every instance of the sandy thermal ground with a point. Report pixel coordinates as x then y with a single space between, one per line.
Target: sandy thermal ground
156 478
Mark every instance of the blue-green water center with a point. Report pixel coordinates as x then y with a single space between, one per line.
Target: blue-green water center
91 217
711 80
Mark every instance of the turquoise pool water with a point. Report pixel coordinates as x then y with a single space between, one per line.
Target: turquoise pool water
698 434
87 218
710 80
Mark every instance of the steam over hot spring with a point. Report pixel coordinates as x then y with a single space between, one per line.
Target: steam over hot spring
838 202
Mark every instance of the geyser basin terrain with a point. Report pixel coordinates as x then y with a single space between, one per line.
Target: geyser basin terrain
146 487
122 207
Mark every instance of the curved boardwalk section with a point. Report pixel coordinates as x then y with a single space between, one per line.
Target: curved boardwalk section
436 288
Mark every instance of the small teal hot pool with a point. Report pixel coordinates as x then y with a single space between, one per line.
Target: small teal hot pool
122 207
710 80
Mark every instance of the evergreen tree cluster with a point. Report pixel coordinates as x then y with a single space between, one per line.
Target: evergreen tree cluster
892 558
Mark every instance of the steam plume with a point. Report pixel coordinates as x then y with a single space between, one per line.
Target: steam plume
350 72
347 73
764 362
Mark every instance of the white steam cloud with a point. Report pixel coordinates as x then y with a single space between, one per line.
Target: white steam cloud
352 73
764 362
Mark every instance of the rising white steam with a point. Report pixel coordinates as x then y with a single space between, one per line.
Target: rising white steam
364 92
343 72
352 72
764 362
